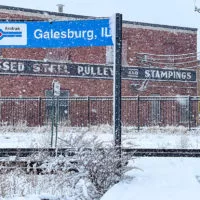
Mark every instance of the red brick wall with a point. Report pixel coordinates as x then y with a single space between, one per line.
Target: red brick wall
35 86
158 41
140 39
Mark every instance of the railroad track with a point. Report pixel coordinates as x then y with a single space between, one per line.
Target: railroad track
29 159
163 152
25 152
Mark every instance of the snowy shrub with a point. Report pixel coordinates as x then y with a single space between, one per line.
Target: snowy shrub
98 167
92 171
104 167
20 126
85 173
10 183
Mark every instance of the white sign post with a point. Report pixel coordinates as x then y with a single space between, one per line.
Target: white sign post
55 110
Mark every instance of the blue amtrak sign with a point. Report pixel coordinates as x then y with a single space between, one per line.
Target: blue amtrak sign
55 34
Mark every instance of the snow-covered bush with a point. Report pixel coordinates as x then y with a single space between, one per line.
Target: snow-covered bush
85 173
96 166
104 167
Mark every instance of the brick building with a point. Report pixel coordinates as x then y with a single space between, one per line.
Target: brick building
167 75
158 60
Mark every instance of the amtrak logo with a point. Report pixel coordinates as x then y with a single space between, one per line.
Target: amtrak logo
13 34
9 34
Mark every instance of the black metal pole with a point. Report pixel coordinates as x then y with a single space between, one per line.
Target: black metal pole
88 101
40 111
52 120
57 120
189 113
138 112
117 81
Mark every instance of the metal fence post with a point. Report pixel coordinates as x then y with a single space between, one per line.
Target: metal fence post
138 113
57 119
189 113
52 120
88 103
40 111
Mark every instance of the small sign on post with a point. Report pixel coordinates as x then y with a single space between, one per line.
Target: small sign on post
56 88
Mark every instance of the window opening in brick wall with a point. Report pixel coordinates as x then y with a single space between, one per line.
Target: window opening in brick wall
58 55
109 54
155 109
184 109
124 52
170 50
110 51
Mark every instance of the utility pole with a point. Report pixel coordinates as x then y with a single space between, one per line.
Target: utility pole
117 81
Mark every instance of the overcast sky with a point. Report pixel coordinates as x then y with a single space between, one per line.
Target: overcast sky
169 12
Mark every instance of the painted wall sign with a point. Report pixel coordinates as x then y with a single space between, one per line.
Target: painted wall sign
55 34
56 69
162 74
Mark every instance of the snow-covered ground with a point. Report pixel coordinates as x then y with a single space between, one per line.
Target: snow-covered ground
150 137
152 178
159 179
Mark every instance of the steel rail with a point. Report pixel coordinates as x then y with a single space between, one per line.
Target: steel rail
136 152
